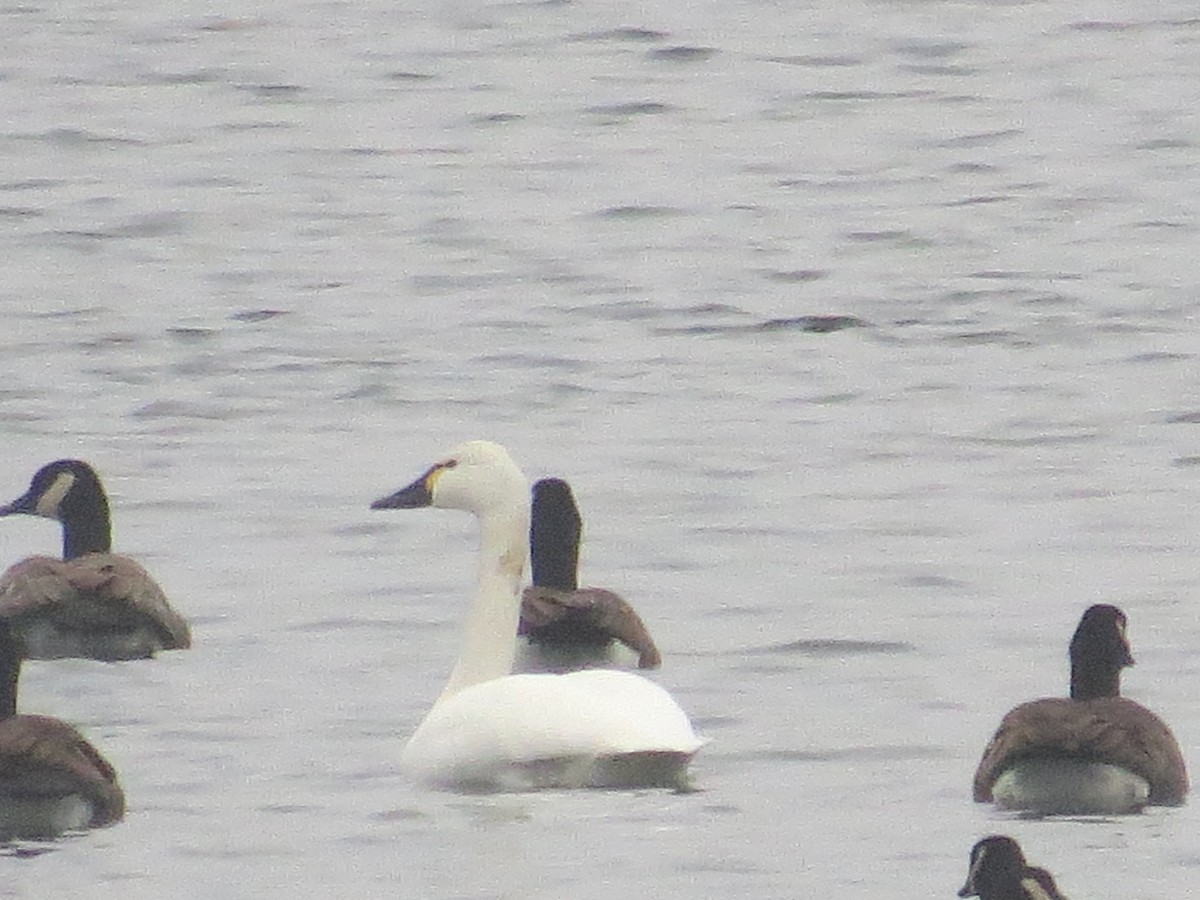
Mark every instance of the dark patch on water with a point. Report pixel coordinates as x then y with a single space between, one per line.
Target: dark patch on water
79 137
272 91
1157 357
898 237
938 582
993 336
624 110
797 276
1037 440
26 849
410 76
816 61
186 334
400 815
637 212
682 54
883 753
341 624
948 71
637 35
978 139
826 647
843 96
1165 144
929 49
812 324
978 200
497 119
257 315
175 409
1106 26
199 76
803 324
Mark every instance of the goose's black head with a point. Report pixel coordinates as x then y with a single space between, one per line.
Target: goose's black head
1099 651
68 491
997 870
1101 636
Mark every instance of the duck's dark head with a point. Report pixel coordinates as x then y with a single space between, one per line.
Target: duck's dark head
1099 651
68 491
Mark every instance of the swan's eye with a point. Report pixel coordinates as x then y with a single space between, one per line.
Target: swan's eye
449 464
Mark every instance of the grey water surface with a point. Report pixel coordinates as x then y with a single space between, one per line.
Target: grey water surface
866 332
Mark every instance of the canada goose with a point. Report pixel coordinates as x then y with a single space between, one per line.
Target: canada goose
998 871
91 603
51 779
565 626
1096 753
491 730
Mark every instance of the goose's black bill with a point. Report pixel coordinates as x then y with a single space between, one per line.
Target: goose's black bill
23 504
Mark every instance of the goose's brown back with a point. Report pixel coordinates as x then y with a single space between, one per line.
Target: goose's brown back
1113 730
99 605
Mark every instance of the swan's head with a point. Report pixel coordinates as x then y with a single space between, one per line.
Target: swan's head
478 476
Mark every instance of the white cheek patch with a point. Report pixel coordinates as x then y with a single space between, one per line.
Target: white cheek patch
973 872
52 497
1034 889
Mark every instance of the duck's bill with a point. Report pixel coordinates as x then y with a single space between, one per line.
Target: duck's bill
414 496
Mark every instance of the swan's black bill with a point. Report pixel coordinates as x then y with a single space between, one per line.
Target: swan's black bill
414 496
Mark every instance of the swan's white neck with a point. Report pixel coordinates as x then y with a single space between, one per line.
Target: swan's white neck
491 634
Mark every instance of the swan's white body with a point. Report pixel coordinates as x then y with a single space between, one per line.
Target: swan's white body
524 732
491 730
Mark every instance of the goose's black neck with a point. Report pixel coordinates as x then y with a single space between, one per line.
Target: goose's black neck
554 532
86 524
10 670
1091 680
1099 651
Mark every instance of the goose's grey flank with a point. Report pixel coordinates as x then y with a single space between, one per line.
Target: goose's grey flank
565 626
998 871
1094 752
92 603
51 779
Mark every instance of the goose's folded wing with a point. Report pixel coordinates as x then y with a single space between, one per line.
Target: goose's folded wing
49 757
595 609
97 590
1111 730
34 584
